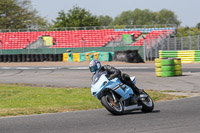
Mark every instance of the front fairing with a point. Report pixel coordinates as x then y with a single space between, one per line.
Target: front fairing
98 82
117 86
101 83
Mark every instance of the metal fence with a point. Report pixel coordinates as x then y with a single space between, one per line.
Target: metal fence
170 43
91 28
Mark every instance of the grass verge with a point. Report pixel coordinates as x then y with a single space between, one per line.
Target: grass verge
26 100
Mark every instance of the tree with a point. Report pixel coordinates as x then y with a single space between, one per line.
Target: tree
76 17
16 14
105 20
198 25
146 17
136 17
125 18
167 17
142 17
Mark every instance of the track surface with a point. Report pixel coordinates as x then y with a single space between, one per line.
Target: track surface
180 116
79 76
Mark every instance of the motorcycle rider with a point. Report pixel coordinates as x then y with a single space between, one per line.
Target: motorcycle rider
95 66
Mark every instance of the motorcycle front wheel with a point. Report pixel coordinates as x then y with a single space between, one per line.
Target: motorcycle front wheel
147 104
113 107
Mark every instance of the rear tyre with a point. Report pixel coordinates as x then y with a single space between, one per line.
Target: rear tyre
115 108
147 104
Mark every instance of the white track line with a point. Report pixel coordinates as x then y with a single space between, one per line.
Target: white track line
84 68
54 68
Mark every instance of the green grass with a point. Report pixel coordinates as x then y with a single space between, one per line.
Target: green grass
25 100
159 96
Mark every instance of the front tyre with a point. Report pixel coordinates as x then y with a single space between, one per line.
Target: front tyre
147 104
115 108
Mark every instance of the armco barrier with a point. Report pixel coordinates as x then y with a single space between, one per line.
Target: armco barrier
186 56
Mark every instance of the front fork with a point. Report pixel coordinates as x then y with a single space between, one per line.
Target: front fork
114 98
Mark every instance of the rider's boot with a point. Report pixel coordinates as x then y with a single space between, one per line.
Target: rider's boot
137 90
133 99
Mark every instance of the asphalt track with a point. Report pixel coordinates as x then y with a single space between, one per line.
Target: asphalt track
79 76
180 116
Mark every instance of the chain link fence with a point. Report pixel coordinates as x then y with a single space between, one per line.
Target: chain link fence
170 43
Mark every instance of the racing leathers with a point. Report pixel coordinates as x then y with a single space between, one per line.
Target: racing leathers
112 73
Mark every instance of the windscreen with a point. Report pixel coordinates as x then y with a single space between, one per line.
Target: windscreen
97 76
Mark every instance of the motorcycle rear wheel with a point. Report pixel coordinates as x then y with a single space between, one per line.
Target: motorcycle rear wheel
115 108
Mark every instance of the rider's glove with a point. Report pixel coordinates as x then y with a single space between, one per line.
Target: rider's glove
111 77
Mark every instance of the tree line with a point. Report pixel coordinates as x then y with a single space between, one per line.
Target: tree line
19 14
79 17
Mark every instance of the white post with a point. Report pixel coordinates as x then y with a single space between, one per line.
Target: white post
144 49
1 47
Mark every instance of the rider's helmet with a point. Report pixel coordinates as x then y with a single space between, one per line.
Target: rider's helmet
94 66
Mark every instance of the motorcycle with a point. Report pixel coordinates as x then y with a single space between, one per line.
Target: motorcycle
119 98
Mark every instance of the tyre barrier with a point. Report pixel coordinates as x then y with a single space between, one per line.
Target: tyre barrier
186 56
167 62
131 56
168 67
177 67
158 68
31 57
158 60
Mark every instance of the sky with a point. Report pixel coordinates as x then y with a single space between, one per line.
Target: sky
188 11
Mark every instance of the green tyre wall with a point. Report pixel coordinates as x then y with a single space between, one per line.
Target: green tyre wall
177 68
167 62
158 74
158 65
168 74
177 61
178 73
158 60
167 68
158 69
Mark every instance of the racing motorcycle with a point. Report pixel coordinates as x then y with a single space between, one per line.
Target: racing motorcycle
119 98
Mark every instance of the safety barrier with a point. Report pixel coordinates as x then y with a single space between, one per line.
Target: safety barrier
186 56
79 57
131 56
30 57
66 57
168 67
